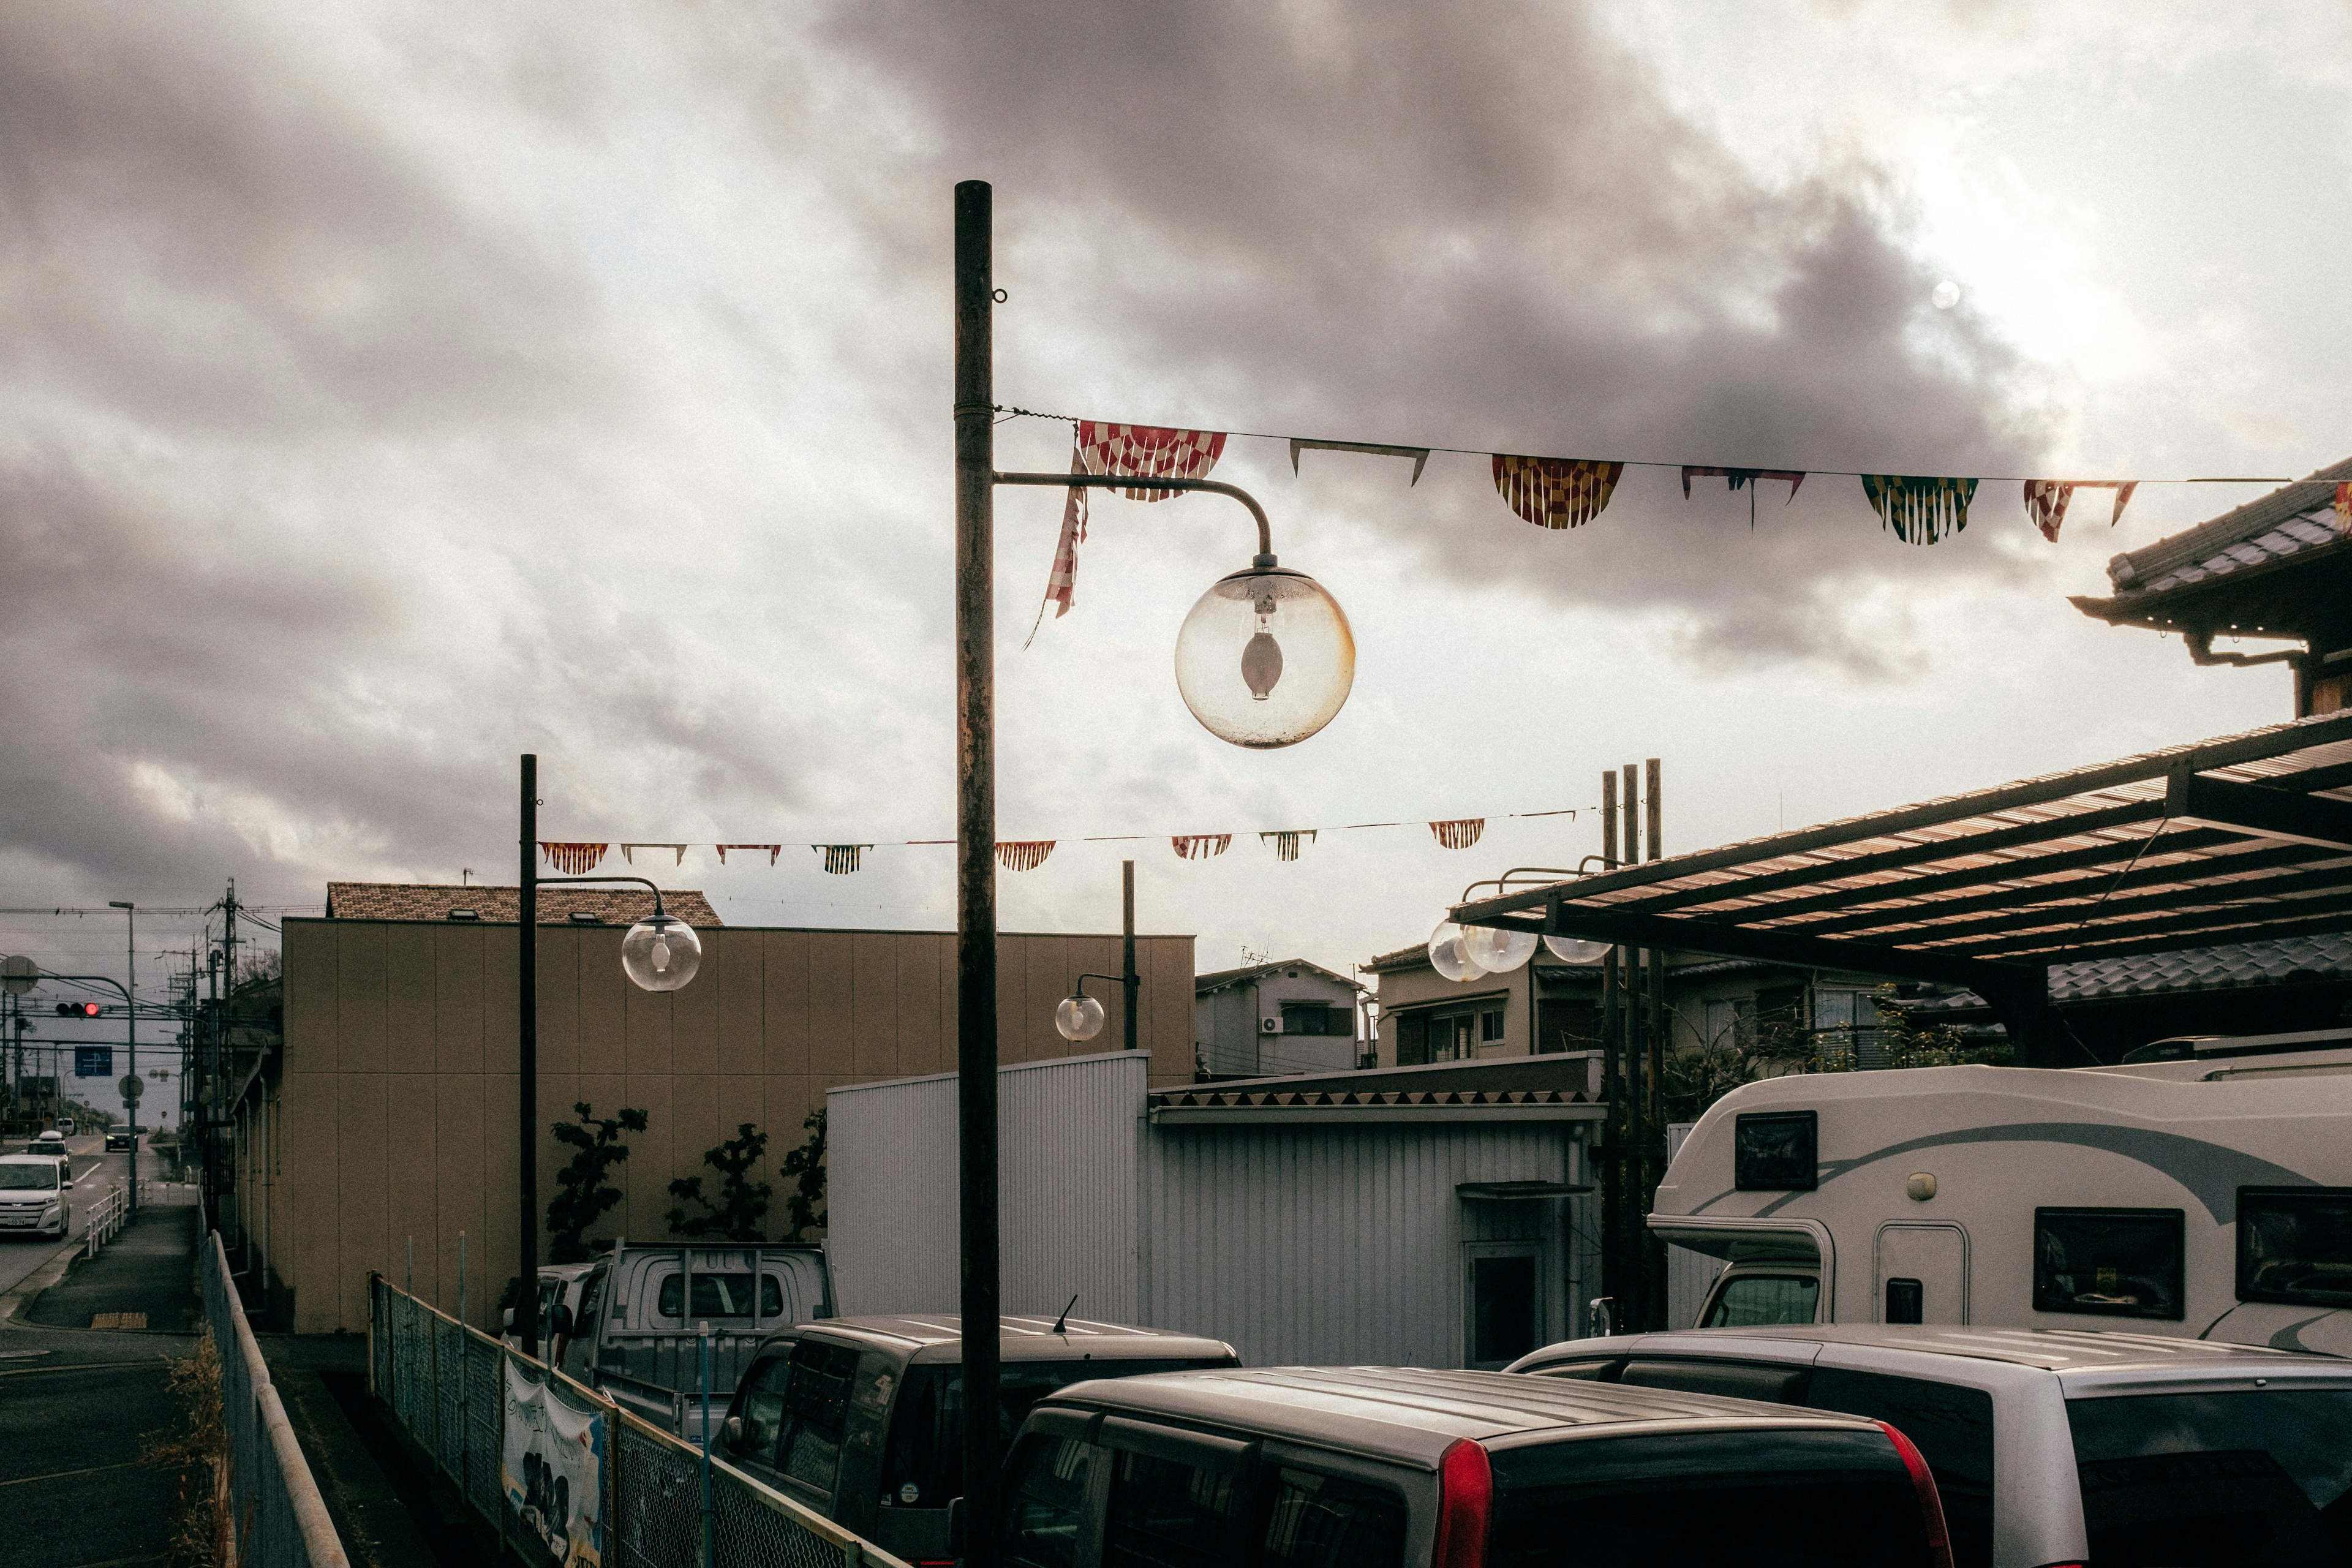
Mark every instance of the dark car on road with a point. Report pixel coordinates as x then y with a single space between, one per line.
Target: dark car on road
861 1418
1401 1467
124 1139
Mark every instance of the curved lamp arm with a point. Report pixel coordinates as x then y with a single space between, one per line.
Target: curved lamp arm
1114 979
644 881
1116 482
1502 884
87 980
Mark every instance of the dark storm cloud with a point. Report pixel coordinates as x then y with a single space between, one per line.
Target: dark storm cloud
1482 225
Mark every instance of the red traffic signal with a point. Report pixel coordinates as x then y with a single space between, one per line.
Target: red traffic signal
77 1009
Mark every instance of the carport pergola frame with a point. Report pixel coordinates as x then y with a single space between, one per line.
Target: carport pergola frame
2236 839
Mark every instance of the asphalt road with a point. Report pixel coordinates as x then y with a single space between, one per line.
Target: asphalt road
94 1174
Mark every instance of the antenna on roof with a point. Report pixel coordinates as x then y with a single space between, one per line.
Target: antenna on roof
1065 1318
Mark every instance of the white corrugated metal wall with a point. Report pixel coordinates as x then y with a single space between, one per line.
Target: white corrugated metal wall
1068 1136
1345 1244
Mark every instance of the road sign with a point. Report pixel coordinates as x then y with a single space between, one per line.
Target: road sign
16 974
131 1087
94 1061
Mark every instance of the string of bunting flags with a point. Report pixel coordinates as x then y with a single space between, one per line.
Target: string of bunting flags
1565 492
578 858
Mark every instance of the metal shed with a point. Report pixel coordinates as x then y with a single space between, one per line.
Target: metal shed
1422 1216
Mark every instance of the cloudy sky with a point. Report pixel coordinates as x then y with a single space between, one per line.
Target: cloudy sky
389 392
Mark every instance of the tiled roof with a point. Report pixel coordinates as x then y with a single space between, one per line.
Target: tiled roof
1218 979
502 906
2290 520
1208 1095
2288 961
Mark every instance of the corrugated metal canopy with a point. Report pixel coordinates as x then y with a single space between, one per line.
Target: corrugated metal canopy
2246 836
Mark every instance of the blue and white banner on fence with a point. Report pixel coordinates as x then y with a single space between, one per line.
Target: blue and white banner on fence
552 1472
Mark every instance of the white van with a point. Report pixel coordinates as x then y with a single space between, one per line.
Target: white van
2204 1190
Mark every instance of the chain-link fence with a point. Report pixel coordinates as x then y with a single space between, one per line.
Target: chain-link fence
274 1505
612 1487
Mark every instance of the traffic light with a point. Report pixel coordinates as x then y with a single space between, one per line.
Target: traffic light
77 1009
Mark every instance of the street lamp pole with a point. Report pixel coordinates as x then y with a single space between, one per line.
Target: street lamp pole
975 545
131 1019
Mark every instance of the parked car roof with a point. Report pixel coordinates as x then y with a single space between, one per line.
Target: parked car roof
1413 1415
2068 1352
939 1336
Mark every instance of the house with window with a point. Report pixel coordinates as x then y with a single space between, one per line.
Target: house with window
1548 1006
1265 1019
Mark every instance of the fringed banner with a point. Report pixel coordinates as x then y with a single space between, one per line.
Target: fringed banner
1285 844
1023 855
2344 509
773 850
1141 451
2045 501
1201 846
677 849
1920 510
573 859
1459 834
840 859
1554 492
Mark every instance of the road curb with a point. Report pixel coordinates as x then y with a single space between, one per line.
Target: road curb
40 1279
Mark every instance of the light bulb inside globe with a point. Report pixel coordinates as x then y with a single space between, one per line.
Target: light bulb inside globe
1447 955
1289 685
1078 1017
660 953
1497 950
1576 949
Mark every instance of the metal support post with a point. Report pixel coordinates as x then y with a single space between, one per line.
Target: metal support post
975 469
1131 981
527 1062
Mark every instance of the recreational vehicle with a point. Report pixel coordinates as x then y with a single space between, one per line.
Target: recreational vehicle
2202 1189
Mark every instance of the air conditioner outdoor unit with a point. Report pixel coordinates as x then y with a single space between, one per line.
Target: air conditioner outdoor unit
1269 1026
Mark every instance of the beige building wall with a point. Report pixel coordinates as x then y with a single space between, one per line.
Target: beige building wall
397 1103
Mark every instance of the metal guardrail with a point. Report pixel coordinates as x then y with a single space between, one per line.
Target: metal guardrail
104 1219
275 1510
665 1504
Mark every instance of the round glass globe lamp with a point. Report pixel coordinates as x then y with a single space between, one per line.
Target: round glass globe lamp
1496 950
661 952
1447 956
1078 1017
1576 949
1267 657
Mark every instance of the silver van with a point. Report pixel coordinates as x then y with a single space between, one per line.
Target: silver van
861 1418
1399 1467
2054 1445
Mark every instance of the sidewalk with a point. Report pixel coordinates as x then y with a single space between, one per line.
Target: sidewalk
144 1279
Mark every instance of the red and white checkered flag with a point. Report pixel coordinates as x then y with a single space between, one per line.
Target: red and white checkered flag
1143 451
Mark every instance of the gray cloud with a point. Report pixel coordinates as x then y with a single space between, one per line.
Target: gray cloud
1476 225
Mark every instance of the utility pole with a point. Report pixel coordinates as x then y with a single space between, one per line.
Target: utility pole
131 1079
526 1308
1636 1201
1613 1088
1653 1138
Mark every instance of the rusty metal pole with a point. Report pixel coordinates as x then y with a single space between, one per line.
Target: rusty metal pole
526 1310
975 493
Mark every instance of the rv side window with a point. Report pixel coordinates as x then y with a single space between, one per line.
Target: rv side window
2124 1263
2294 1245
1777 1152
720 1296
